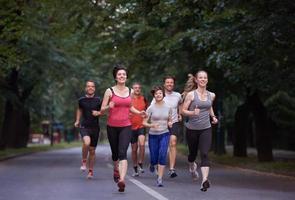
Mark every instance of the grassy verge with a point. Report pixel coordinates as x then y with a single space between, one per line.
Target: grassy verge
7 153
250 162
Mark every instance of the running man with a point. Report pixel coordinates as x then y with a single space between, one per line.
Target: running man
88 110
138 131
173 100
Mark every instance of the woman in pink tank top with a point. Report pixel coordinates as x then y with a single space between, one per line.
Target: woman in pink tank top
117 100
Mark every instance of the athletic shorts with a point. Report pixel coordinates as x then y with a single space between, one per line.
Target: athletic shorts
136 133
174 130
93 133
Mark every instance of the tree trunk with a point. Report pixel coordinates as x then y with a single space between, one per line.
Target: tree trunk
16 126
241 130
16 122
263 129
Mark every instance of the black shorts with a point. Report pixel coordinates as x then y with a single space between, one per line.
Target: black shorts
135 134
93 133
174 130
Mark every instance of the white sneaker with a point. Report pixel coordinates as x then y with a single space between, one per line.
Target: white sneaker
83 167
194 172
140 169
90 174
135 174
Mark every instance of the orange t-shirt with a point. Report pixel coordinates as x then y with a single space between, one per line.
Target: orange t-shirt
140 104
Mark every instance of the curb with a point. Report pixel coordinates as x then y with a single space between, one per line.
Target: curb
257 172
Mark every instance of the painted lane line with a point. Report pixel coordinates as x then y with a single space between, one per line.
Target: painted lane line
145 188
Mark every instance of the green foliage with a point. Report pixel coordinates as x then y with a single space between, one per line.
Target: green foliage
281 107
56 46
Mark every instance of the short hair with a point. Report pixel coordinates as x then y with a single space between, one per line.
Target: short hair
157 88
169 77
136 83
91 81
117 68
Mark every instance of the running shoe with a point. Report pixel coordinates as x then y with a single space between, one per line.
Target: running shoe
83 167
135 171
152 168
140 168
160 182
205 185
121 186
90 174
116 175
193 171
172 173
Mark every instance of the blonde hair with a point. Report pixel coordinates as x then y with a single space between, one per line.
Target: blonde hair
191 84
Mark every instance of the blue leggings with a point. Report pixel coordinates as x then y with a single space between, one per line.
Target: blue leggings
158 145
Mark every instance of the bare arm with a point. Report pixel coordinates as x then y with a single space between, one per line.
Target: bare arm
78 117
145 123
211 111
137 112
105 102
187 101
179 112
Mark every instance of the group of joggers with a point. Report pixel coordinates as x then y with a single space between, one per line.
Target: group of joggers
130 115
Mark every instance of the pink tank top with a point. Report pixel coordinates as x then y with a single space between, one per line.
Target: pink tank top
119 115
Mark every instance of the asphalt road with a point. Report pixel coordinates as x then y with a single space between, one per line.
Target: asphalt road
55 175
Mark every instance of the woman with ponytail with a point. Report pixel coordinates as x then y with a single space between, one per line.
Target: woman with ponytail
197 107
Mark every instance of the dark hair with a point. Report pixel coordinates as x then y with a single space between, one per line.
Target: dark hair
136 83
117 68
91 81
169 77
156 88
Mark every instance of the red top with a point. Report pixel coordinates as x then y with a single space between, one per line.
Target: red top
140 104
119 114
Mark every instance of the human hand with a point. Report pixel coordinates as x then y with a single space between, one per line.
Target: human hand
196 110
76 124
96 113
214 120
155 125
112 104
179 118
170 124
143 114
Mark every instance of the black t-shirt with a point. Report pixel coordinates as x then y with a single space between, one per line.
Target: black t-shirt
87 105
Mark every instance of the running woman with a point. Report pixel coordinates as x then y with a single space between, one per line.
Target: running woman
118 100
158 120
198 107
88 110
138 131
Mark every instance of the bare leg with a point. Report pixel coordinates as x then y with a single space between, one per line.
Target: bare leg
85 147
172 151
134 153
141 141
123 164
91 157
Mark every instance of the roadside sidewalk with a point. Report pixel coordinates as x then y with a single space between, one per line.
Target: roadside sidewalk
278 154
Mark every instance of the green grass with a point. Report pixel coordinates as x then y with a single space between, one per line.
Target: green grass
36 148
250 162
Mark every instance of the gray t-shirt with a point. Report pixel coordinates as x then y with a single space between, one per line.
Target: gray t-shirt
159 114
173 100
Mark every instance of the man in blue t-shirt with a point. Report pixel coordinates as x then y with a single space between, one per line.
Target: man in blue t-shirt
87 119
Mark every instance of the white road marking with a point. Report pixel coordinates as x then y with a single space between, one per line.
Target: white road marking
145 188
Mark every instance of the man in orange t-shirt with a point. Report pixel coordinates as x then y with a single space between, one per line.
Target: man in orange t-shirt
138 132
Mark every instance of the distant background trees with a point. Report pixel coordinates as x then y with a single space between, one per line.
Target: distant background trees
50 48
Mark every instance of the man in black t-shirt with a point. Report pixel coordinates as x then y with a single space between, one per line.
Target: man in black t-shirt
88 110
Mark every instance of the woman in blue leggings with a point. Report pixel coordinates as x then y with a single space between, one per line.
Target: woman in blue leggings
158 120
